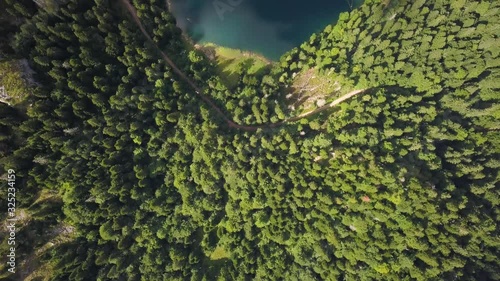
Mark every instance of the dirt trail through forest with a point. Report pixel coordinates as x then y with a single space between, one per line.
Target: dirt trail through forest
209 101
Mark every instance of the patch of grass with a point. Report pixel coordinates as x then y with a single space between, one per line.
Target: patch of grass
214 261
29 262
219 253
231 63
42 270
312 89
14 82
45 194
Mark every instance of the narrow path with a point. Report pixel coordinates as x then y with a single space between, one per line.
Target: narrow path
332 104
209 101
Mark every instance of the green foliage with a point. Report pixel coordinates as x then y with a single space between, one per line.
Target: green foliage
398 183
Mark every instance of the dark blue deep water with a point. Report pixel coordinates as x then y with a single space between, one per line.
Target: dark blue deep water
267 27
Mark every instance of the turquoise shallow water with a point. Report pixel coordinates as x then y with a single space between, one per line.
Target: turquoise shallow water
266 27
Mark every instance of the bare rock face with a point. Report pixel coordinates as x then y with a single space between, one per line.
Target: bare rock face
320 102
3 95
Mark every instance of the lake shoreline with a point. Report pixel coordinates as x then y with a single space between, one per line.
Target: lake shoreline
250 29
243 53
206 46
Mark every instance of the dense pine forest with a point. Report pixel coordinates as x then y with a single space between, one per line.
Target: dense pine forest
136 160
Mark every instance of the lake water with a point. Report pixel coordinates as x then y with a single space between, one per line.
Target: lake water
267 27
